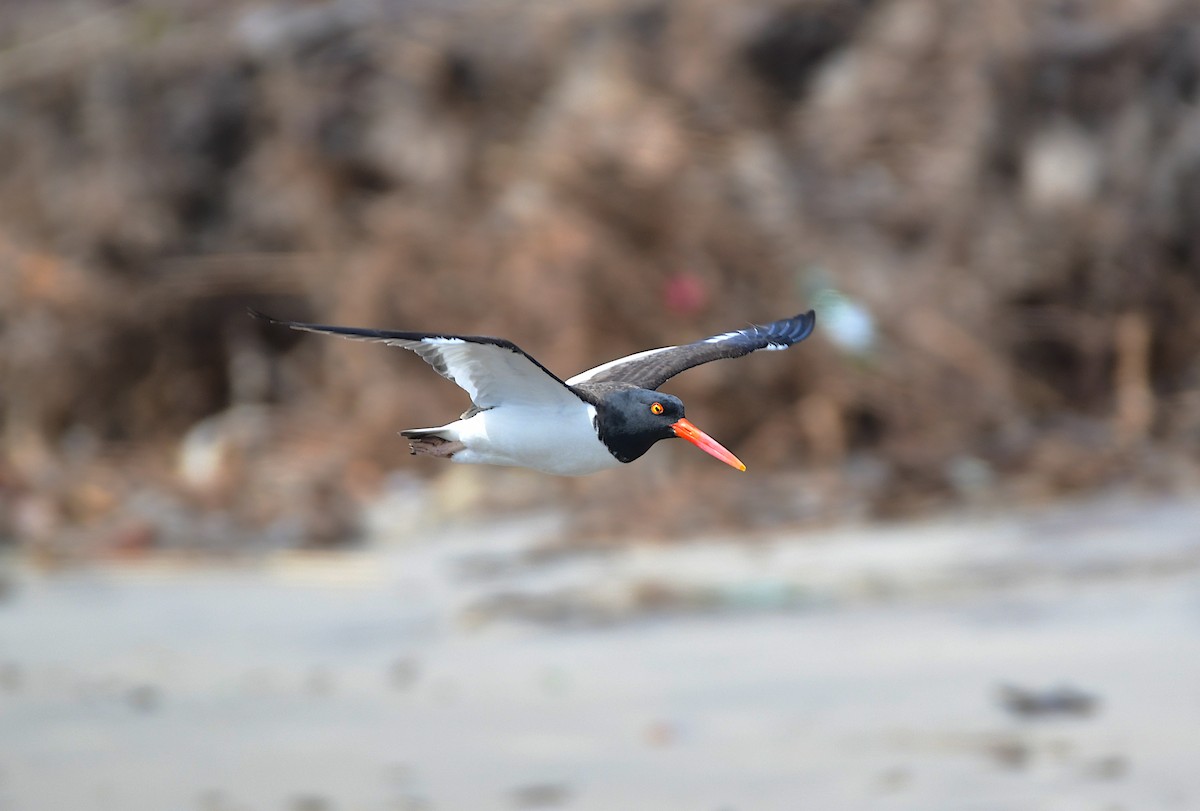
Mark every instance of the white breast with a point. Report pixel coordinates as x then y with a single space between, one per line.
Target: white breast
561 441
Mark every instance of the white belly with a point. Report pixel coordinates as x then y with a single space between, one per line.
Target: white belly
562 442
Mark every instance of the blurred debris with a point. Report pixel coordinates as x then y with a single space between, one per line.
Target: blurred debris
894 779
1011 753
208 448
661 733
310 802
631 600
1062 700
541 795
1135 404
533 575
847 322
145 698
404 673
1109 767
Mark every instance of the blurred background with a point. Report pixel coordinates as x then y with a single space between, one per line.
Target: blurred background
963 570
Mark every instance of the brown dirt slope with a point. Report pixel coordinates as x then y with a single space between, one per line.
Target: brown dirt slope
995 208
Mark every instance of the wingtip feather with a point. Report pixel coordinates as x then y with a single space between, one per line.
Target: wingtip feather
791 331
261 316
810 323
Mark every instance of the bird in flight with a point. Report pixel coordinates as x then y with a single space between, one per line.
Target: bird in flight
524 415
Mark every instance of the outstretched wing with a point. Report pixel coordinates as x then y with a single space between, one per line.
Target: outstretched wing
652 368
492 370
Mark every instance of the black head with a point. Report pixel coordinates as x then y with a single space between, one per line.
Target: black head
630 420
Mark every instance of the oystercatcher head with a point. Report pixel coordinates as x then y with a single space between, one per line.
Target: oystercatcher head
522 414
630 420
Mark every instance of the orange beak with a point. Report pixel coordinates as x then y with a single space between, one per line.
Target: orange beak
704 442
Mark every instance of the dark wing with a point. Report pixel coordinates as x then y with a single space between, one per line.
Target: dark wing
492 370
652 368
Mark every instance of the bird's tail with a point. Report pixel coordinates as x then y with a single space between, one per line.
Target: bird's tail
417 433
431 442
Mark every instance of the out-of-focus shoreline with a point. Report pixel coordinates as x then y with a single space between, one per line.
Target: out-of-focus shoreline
897 667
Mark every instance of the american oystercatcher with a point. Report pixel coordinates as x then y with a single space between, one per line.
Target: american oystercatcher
523 414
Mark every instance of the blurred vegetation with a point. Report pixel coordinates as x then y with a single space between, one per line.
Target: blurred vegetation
995 208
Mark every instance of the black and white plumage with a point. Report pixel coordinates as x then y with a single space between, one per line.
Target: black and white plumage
523 414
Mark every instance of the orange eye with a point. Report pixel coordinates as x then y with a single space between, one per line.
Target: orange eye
657 408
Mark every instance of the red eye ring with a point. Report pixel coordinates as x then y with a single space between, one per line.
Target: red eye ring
657 409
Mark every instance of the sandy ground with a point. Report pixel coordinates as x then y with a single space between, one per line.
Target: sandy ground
455 669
